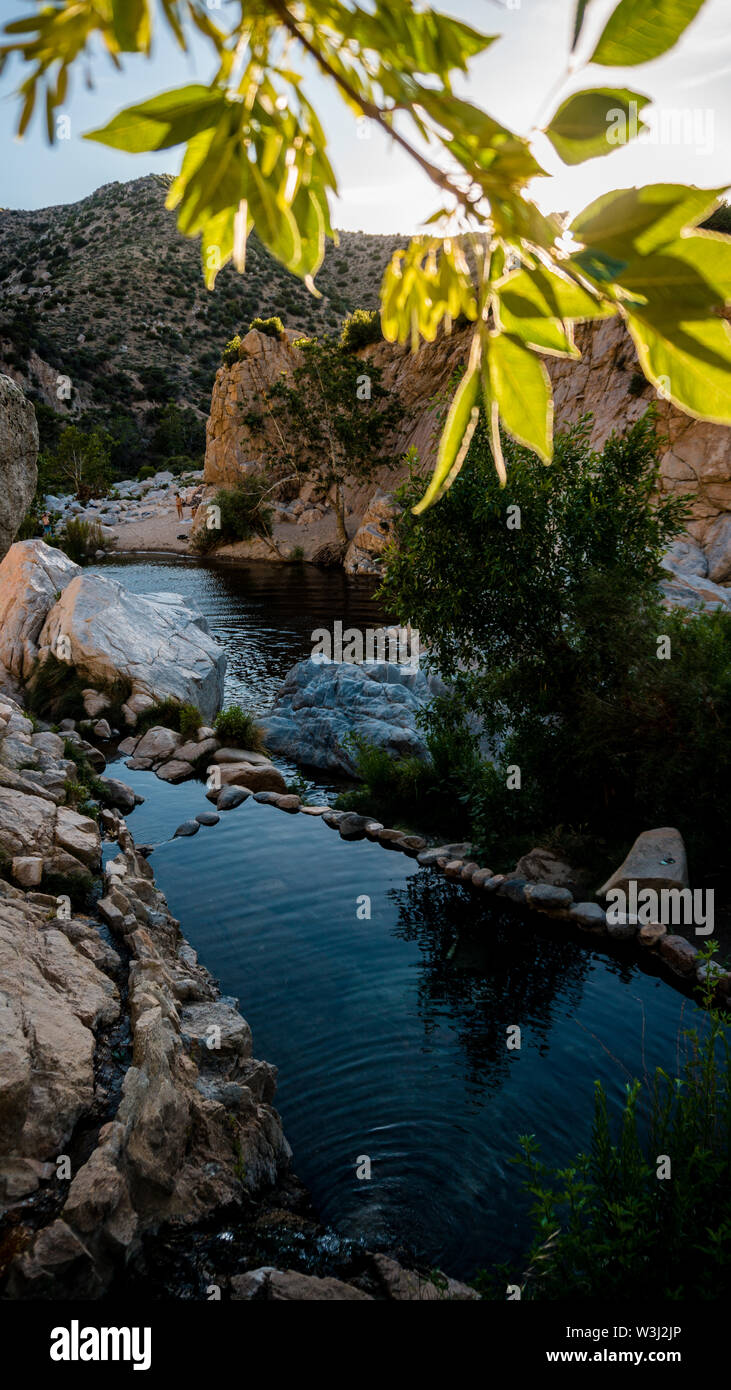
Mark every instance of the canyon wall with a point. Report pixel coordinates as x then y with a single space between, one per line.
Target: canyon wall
606 382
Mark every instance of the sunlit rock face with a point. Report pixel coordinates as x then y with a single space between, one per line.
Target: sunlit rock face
18 459
32 576
695 457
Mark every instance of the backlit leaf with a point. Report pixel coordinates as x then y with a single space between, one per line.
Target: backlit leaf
639 30
460 424
691 364
519 384
593 123
168 119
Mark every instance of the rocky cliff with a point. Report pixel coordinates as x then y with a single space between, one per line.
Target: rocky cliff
606 382
18 455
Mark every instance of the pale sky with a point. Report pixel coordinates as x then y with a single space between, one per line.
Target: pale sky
516 81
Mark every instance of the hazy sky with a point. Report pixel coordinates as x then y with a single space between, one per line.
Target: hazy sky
516 81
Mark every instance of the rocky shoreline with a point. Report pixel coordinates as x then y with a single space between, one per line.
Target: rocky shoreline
137 1124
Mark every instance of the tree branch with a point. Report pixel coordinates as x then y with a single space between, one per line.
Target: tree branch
369 108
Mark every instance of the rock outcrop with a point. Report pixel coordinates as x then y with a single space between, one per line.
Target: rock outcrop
129 1093
656 860
155 642
18 459
32 577
322 703
233 445
606 382
366 550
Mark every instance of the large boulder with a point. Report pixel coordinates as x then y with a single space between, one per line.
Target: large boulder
52 998
718 549
154 641
656 860
18 459
32 576
322 702
366 550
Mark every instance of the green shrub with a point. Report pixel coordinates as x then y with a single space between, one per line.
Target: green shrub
244 514
638 384
80 540
425 794
77 886
606 1226
184 718
548 631
230 353
272 328
54 690
237 728
146 472
360 328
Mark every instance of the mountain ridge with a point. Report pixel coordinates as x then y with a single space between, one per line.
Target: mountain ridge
108 295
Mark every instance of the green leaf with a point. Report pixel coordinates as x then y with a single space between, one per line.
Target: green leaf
596 264
595 122
520 386
274 222
639 31
131 21
691 364
544 334
642 219
684 286
458 430
168 119
545 292
581 8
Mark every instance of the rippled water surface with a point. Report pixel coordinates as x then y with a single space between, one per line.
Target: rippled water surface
389 1033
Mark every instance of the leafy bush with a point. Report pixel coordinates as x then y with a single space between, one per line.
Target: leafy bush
424 794
239 729
146 472
80 540
230 353
244 514
546 617
607 1226
272 328
183 717
360 328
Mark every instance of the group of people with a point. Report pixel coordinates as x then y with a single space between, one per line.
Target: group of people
190 499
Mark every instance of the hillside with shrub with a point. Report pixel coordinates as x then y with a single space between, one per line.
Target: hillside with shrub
107 293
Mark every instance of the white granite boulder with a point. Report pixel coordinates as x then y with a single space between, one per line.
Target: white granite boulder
155 641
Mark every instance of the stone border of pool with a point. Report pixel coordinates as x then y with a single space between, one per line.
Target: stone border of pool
680 957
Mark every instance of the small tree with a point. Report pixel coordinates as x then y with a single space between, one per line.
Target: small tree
81 462
360 328
333 419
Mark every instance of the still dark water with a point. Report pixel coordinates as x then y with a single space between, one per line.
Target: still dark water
389 1033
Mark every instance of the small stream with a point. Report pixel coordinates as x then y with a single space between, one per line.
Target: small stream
389 1033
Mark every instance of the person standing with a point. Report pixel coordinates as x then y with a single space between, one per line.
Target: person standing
179 505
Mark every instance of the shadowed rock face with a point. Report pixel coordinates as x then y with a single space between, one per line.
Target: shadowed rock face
154 641
322 702
18 456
